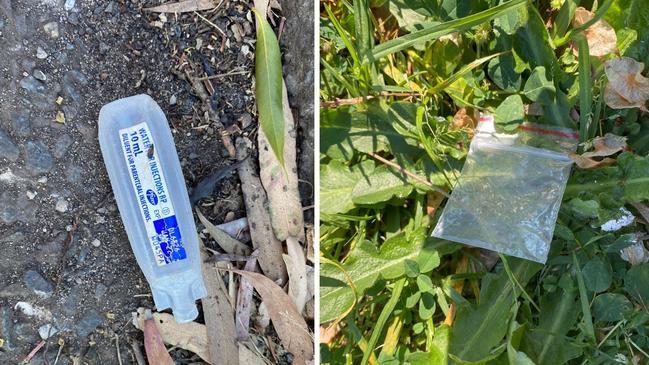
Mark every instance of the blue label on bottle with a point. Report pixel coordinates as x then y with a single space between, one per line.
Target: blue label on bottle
150 187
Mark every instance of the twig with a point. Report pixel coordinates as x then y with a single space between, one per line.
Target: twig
360 99
408 173
137 352
119 355
210 23
223 75
64 253
29 357
58 354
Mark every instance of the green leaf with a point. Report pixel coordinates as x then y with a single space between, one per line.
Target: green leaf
584 209
345 130
426 306
598 274
365 264
610 307
424 284
635 282
336 184
585 89
636 172
510 113
547 344
501 72
377 329
477 331
412 268
438 352
439 30
269 86
539 88
381 185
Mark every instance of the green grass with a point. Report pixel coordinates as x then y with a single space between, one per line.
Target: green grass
394 75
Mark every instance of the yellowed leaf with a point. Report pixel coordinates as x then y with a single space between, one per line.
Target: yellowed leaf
600 36
60 117
227 243
606 146
297 277
587 163
462 119
625 79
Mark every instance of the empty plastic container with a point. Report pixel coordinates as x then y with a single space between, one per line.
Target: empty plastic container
149 187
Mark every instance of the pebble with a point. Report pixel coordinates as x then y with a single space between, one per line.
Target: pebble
38 159
69 4
8 149
100 291
41 54
62 145
96 242
21 123
16 207
28 65
52 29
103 48
40 75
46 331
32 85
38 284
61 205
172 100
73 174
88 323
31 195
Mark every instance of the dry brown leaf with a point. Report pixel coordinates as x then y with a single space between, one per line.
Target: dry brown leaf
462 119
287 321
219 316
643 210
227 243
297 276
156 352
607 145
534 109
244 304
589 163
263 317
625 78
600 36
183 6
190 336
328 333
237 229
281 183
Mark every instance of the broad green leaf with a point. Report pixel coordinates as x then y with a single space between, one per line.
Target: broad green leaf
501 72
510 113
439 30
424 284
426 306
532 42
477 331
598 274
337 182
365 264
635 282
412 268
539 88
516 334
268 86
584 209
412 14
636 172
438 353
547 344
345 130
380 186
610 307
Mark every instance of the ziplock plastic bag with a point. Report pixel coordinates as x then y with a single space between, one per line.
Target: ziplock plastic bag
508 195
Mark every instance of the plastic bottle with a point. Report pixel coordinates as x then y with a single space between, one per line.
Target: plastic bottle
149 187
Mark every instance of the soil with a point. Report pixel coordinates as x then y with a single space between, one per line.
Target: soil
66 261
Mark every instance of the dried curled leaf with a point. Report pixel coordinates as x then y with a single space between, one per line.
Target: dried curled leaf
626 88
587 163
607 145
635 254
600 36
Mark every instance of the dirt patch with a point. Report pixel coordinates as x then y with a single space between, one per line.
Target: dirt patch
66 259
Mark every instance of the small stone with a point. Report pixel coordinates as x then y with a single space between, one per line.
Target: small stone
21 123
40 75
59 100
61 205
38 159
100 291
69 4
8 149
42 180
41 54
96 242
60 117
229 217
38 284
28 65
31 195
46 331
88 323
62 145
172 100
52 29
32 85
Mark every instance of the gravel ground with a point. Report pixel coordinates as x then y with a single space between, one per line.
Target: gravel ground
67 265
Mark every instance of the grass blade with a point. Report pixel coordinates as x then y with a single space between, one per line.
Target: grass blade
439 30
573 32
585 89
383 318
268 88
461 73
583 296
343 35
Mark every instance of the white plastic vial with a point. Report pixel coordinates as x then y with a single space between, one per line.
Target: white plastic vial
149 187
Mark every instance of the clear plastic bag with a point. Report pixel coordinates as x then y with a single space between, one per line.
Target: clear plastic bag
510 189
